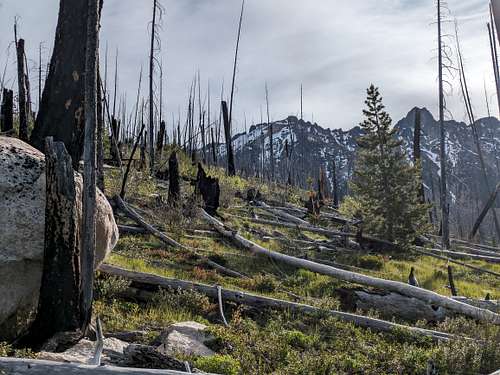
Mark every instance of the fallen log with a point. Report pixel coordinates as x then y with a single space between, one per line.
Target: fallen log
281 214
21 366
479 269
471 250
426 296
458 255
261 302
169 241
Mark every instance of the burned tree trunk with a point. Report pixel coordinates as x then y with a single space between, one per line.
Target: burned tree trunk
231 170
127 170
58 309
7 111
61 110
21 81
174 187
335 185
100 141
209 190
160 140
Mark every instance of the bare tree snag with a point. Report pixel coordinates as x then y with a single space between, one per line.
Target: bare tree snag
209 190
417 151
61 110
22 94
100 141
89 172
152 282
7 111
231 170
214 153
357 278
160 140
174 186
445 209
58 307
151 98
129 164
484 212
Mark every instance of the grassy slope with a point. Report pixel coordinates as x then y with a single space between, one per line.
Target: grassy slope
280 343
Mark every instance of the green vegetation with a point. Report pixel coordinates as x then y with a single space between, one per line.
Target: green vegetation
385 184
274 342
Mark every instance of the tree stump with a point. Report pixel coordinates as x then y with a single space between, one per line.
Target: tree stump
209 189
174 186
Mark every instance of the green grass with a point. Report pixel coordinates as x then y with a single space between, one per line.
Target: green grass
263 342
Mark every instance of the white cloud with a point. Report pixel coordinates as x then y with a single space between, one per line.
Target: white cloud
335 48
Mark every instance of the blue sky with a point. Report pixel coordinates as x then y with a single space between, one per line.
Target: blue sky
335 48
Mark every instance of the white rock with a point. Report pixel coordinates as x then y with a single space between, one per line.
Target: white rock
187 338
22 227
84 351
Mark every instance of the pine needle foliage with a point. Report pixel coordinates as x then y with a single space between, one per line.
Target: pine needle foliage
385 183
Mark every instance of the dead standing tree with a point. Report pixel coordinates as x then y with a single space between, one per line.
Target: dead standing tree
89 172
231 170
7 112
61 110
444 192
22 94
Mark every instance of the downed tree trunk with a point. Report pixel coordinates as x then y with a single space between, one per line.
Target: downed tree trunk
457 255
58 309
482 270
21 366
283 215
389 285
260 302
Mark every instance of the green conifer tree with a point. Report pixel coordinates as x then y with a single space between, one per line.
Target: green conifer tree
385 183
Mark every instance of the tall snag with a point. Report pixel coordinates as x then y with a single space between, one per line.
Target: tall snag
445 210
61 111
22 94
231 169
174 186
89 171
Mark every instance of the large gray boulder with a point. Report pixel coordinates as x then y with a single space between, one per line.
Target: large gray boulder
22 227
188 338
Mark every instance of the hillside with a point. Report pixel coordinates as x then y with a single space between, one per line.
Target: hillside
263 341
313 147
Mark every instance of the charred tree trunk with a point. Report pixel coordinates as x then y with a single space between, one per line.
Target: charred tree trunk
174 186
335 185
231 170
58 309
151 99
61 110
160 140
7 113
100 141
209 190
21 81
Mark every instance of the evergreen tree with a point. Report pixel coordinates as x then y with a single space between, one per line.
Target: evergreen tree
385 184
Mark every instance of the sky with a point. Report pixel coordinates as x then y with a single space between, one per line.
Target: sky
334 48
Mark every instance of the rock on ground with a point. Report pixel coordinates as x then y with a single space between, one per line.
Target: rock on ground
186 338
22 227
